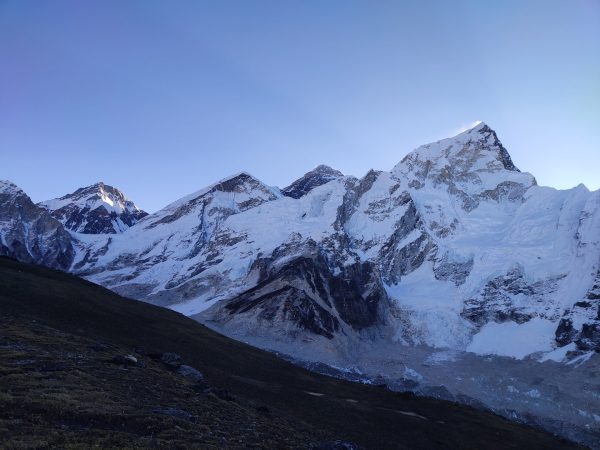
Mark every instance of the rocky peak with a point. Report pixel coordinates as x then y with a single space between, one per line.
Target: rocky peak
475 150
95 209
242 182
470 163
107 196
483 133
228 196
326 170
8 188
11 196
318 176
29 233
232 189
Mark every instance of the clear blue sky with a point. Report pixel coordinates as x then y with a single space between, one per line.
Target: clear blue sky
163 98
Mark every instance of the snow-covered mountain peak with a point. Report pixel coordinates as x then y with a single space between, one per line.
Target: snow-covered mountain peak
8 188
475 150
325 169
95 209
469 167
317 177
488 138
96 195
240 183
243 182
474 127
29 233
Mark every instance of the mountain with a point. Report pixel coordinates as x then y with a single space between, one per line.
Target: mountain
453 244
317 177
96 209
161 256
454 275
84 367
31 234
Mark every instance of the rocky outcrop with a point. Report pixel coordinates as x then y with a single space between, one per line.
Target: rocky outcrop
304 295
317 177
29 233
501 299
581 323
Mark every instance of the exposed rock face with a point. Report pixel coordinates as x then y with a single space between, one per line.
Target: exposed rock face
29 233
229 196
317 177
96 209
306 293
565 333
581 323
500 299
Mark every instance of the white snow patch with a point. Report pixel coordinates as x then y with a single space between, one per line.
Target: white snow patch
581 359
559 354
513 339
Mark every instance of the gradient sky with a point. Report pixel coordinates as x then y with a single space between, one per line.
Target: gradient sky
163 98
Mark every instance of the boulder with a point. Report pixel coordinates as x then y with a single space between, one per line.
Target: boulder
190 372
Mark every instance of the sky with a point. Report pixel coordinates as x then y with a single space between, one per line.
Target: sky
162 98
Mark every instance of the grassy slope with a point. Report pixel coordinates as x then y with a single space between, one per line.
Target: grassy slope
57 385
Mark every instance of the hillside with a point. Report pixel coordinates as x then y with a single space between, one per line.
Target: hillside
67 380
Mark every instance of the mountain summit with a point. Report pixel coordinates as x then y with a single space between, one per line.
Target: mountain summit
29 233
95 209
318 176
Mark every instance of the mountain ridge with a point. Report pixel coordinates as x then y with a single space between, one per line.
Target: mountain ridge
449 249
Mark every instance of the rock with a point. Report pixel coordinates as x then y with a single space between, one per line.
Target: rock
317 177
565 333
496 301
190 372
590 337
172 360
307 292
